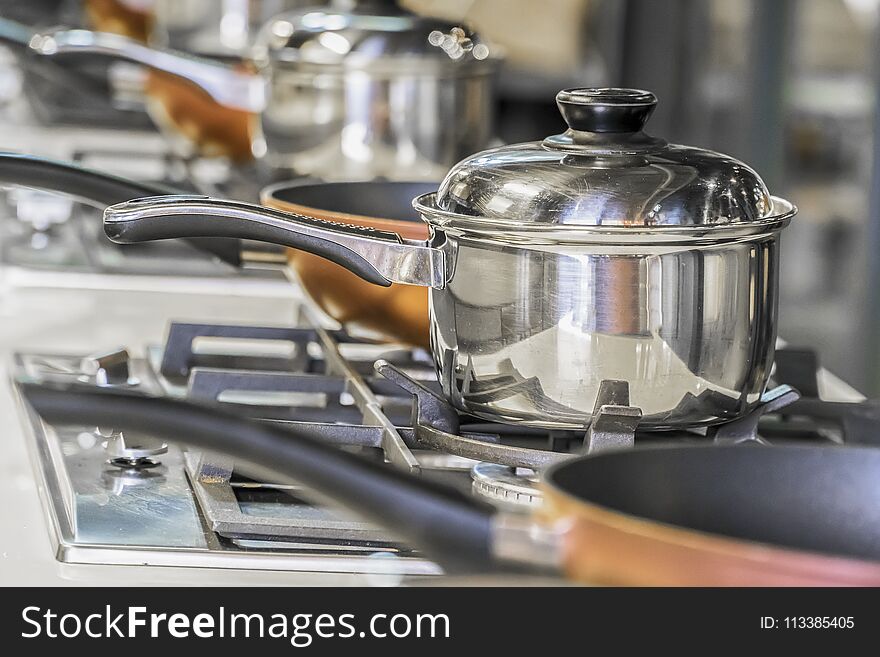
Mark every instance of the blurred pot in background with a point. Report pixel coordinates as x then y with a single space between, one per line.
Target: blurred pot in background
375 92
216 27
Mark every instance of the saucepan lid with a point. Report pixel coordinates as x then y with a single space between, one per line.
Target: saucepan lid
605 171
378 35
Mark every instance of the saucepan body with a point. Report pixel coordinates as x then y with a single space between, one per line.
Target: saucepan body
527 333
525 326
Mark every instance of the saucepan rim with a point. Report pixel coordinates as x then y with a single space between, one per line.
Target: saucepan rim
426 205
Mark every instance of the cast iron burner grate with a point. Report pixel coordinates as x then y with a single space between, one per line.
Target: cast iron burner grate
403 415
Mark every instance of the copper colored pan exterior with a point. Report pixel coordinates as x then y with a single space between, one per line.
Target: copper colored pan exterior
607 547
397 313
114 16
610 548
183 108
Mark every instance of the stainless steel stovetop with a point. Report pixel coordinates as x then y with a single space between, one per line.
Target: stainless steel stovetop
122 499
128 499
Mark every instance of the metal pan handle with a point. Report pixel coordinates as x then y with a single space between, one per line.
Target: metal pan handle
226 85
379 257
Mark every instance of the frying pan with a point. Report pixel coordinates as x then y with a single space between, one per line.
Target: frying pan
682 515
398 312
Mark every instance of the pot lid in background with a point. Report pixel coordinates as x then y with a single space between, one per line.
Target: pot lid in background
369 32
606 171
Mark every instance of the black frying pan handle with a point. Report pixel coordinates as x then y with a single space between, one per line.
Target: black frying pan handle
447 525
92 187
100 190
377 256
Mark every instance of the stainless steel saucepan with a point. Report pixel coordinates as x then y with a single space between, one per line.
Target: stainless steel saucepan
599 254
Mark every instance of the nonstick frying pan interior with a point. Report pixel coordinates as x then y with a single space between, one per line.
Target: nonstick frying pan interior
821 500
367 199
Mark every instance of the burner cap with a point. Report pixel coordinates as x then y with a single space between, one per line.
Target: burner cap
503 483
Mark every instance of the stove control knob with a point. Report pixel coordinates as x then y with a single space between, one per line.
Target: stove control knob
109 368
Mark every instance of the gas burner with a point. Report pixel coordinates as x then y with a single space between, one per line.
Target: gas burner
436 426
507 485
108 369
131 453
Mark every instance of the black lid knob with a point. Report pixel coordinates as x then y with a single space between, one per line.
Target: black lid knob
606 109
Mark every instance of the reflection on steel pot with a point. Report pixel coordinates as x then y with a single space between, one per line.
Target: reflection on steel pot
602 253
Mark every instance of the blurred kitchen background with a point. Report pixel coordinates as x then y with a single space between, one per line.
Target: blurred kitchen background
788 86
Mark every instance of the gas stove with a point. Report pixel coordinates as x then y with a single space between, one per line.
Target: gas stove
114 498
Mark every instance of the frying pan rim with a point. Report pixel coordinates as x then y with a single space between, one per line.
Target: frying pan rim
268 193
682 536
